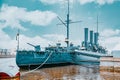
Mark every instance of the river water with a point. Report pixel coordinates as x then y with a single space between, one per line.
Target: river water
66 72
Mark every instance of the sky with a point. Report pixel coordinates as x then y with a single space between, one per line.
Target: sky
37 21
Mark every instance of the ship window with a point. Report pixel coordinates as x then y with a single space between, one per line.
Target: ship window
40 53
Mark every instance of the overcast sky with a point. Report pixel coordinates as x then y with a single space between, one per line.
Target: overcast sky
37 21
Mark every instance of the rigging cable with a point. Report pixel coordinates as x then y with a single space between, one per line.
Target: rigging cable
39 65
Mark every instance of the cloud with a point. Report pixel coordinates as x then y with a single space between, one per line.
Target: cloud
100 2
82 2
110 39
56 38
50 2
111 42
117 46
85 1
8 43
110 33
37 40
12 16
56 1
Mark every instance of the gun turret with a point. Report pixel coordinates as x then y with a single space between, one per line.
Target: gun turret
36 47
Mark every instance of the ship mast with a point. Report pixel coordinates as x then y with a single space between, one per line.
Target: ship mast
97 33
97 22
68 21
17 38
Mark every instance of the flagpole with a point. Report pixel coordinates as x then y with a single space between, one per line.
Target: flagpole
18 40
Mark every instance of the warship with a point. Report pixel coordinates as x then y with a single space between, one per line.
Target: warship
88 51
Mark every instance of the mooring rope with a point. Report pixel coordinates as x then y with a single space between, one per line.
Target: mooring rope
39 65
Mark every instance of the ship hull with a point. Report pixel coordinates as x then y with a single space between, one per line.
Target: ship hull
27 58
83 59
88 57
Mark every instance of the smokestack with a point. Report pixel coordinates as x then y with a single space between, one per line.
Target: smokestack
86 36
91 37
96 38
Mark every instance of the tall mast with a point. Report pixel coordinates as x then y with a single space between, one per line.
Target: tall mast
97 22
97 33
18 39
68 25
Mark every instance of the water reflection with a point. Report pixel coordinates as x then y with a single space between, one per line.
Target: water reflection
110 75
71 72
110 68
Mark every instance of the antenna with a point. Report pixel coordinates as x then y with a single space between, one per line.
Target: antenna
68 21
97 21
97 26
68 7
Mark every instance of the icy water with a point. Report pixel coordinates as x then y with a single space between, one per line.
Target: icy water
66 72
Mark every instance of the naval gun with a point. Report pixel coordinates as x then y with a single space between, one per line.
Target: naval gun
36 47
